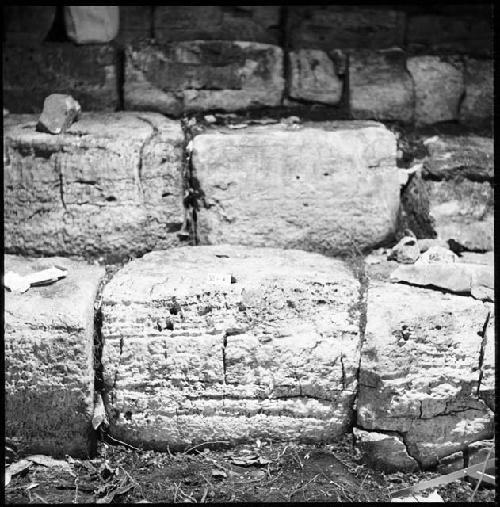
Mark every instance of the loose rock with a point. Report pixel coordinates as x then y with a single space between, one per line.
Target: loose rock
59 113
406 251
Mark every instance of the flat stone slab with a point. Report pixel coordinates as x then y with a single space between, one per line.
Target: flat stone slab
202 75
205 344
49 350
111 185
329 187
422 367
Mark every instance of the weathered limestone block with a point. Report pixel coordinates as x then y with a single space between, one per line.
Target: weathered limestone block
477 106
326 27
420 370
49 375
439 86
330 187
465 34
256 23
459 157
27 25
380 87
463 210
203 75
136 23
384 452
111 184
314 76
87 72
230 343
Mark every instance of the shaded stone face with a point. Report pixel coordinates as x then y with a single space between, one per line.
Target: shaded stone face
49 375
111 184
326 187
230 343
202 75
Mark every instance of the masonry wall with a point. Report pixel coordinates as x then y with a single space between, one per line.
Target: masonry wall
415 64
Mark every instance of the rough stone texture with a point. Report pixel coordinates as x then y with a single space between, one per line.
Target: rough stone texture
88 73
230 343
463 210
380 87
326 27
136 23
49 375
438 34
314 76
384 452
112 184
420 369
27 25
330 187
257 23
459 156
477 453
59 112
406 251
477 106
439 86
203 75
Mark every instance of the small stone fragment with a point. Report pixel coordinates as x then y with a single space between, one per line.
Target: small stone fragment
406 251
210 118
437 254
59 113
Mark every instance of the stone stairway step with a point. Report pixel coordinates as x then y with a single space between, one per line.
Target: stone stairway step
330 187
230 343
112 184
49 350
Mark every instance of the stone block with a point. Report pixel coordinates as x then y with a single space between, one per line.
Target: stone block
27 25
110 185
420 370
477 106
439 86
203 75
136 23
87 73
330 187
454 34
230 343
254 23
380 87
49 375
314 76
329 26
463 210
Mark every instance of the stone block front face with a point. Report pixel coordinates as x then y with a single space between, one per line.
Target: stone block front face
86 72
329 187
49 375
421 370
112 184
202 75
230 343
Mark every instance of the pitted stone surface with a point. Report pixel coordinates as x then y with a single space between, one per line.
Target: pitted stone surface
111 184
49 343
202 75
329 187
190 357
420 370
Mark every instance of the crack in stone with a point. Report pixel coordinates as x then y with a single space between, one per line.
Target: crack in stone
484 338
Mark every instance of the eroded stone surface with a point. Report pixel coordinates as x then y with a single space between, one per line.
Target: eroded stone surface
439 85
111 184
202 75
420 369
49 375
330 187
191 357
477 106
380 87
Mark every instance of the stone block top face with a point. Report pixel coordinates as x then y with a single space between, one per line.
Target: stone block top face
69 302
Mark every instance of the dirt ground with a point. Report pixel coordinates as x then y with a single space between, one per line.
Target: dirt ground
263 472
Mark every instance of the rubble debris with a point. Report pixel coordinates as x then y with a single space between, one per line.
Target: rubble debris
59 113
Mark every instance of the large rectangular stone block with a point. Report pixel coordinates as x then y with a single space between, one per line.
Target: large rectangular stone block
257 23
330 187
88 73
203 75
230 343
112 184
49 370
